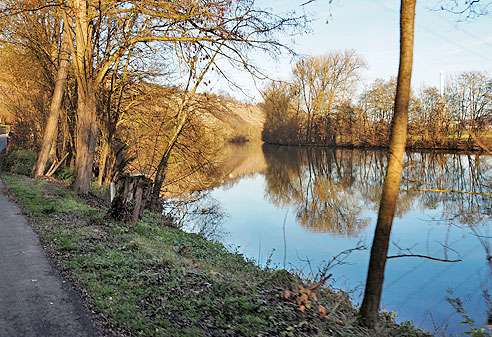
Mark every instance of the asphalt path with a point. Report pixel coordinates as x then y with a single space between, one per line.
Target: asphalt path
34 300
3 142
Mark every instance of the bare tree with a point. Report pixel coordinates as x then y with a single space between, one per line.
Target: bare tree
51 127
31 41
378 100
282 120
325 83
466 10
469 97
212 29
375 276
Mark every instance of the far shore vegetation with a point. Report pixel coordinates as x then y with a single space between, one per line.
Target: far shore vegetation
320 105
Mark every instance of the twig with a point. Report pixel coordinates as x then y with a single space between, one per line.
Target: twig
307 261
53 169
446 191
475 138
417 181
336 306
285 240
307 2
423 256
320 283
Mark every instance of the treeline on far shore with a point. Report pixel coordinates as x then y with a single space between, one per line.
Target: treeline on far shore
320 105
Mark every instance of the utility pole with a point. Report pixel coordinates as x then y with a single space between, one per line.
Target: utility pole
442 101
441 92
442 109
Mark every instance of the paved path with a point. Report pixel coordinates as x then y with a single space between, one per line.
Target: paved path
34 301
3 142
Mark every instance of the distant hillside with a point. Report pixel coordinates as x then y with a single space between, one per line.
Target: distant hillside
236 120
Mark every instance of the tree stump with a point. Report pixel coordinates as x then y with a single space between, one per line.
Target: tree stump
131 195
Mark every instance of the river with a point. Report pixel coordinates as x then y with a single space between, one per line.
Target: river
299 208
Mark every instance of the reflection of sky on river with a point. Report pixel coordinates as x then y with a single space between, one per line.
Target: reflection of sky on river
413 287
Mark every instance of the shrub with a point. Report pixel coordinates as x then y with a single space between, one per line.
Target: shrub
101 191
64 174
239 139
19 162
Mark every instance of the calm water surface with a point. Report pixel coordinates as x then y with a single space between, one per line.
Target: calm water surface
297 208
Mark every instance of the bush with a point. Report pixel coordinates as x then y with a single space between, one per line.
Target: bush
101 191
19 162
239 139
64 174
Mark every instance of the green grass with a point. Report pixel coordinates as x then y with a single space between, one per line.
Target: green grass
483 135
150 280
38 203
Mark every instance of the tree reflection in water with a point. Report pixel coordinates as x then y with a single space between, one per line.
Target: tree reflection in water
337 191
331 188
319 185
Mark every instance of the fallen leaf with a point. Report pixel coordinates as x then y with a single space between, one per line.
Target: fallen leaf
287 294
304 298
302 308
322 311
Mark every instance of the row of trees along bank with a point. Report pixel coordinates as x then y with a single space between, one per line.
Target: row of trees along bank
75 79
320 106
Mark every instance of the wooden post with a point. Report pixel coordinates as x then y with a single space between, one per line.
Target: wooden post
112 191
131 195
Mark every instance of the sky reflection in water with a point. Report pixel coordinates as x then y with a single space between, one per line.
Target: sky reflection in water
331 199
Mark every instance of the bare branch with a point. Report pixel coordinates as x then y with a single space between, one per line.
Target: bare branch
423 256
446 191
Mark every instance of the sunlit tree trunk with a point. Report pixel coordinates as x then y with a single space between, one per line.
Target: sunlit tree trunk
51 129
375 276
108 129
103 160
182 119
86 139
160 175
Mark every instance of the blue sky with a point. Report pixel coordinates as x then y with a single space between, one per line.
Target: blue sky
371 28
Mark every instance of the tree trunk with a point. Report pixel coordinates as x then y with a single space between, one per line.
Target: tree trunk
131 195
110 167
375 276
86 140
103 160
83 60
50 131
160 176
161 168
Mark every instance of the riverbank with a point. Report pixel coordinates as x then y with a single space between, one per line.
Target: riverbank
154 280
414 143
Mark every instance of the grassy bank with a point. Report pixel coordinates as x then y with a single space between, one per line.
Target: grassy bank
154 280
